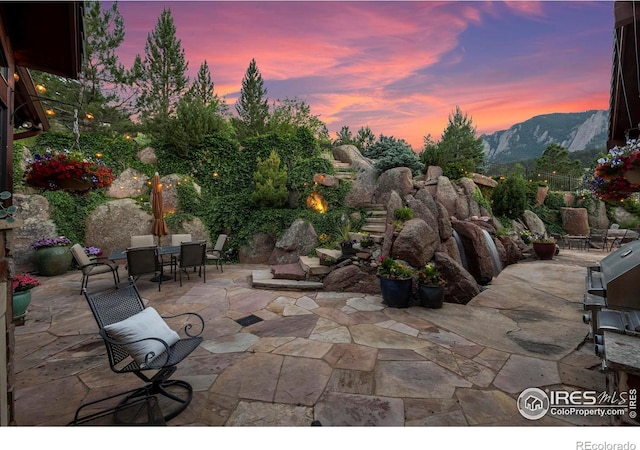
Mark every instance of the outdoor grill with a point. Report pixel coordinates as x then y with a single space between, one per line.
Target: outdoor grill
612 297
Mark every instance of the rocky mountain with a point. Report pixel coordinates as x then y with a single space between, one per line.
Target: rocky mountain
527 140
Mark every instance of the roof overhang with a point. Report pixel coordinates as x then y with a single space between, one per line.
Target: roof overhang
29 116
46 36
624 112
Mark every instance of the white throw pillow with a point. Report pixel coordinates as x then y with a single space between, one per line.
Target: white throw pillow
146 324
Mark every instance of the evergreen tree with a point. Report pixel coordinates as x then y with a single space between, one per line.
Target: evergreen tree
271 183
252 106
292 113
344 137
160 77
555 159
459 144
203 90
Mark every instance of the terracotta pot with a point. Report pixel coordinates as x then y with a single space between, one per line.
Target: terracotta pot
544 250
396 293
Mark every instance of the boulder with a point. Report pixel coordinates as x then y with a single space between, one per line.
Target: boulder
512 251
325 180
361 192
257 250
349 279
148 155
420 211
33 213
398 179
394 202
462 207
541 195
447 195
597 214
416 243
433 173
621 215
299 239
196 229
575 221
461 286
130 183
288 272
111 225
425 197
170 185
387 241
483 180
533 223
450 247
444 222
470 189
479 261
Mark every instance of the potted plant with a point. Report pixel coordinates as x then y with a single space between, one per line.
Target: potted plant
544 247
346 243
366 241
396 282
430 287
617 175
67 170
52 256
21 286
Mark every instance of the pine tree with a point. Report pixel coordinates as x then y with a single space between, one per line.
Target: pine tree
252 106
203 90
160 77
459 144
271 183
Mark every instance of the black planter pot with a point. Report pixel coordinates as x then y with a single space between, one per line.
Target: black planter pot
430 296
396 293
347 248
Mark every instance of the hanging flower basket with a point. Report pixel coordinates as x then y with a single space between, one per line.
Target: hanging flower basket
68 171
617 175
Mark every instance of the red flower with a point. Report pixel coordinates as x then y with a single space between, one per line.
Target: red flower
48 170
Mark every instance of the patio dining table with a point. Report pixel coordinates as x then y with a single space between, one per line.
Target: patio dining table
119 255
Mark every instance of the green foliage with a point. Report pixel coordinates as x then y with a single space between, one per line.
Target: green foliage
289 148
344 137
69 212
630 223
551 219
391 152
189 202
290 114
555 159
554 200
454 171
271 183
459 144
301 175
161 77
253 105
431 155
481 199
403 214
365 138
509 197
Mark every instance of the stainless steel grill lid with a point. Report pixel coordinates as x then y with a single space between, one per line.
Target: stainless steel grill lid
619 277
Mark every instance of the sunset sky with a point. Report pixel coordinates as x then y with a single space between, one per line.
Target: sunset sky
399 67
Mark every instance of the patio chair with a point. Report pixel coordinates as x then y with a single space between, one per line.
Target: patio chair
177 239
192 254
216 253
138 340
597 239
142 261
90 268
145 240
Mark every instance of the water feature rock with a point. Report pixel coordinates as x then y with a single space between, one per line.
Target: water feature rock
476 250
444 223
461 286
447 195
513 253
416 243
450 247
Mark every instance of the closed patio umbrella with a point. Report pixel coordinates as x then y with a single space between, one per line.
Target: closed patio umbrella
159 227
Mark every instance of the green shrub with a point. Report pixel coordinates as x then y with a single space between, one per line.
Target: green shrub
403 214
509 197
555 200
271 183
69 212
454 171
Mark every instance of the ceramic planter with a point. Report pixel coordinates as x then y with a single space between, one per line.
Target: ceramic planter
396 293
52 261
21 301
430 296
544 250
347 248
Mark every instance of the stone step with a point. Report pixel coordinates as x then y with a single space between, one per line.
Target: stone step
289 272
263 279
375 228
341 164
311 265
374 220
376 212
345 175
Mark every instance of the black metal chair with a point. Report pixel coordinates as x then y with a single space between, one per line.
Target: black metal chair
138 340
192 255
89 267
142 261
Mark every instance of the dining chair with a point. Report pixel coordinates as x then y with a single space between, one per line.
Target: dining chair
192 255
90 268
142 261
177 239
145 240
216 253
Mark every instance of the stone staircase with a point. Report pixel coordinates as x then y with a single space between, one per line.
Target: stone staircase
299 276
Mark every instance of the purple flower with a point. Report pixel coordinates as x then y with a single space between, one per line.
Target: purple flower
59 241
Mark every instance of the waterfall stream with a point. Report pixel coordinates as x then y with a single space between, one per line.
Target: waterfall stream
463 255
495 258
